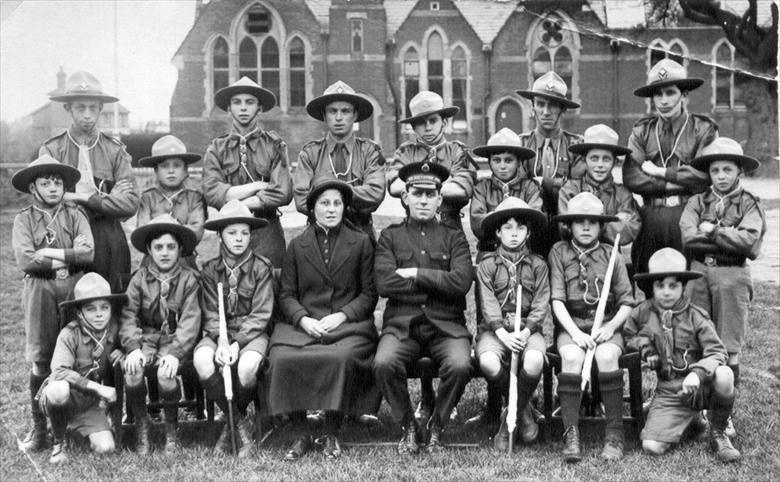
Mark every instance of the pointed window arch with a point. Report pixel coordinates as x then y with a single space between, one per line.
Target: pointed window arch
247 59
411 75
460 75
436 63
727 91
554 45
269 65
297 53
220 64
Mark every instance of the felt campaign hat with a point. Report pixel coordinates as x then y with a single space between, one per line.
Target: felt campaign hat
724 149
664 73
245 85
83 85
336 92
92 287
234 212
164 224
42 166
585 205
321 184
505 140
516 208
425 175
667 262
426 103
168 147
550 86
600 136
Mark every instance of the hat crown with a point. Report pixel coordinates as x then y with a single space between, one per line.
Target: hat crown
585 204
244 82
665 70
82 82
505 137
44 160
164 219
425 101
234 209
722 145
339 87
167 145
666 260
512 203
91 285
550 84
600 134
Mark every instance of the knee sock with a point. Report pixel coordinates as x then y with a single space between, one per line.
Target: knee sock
35 408
526 385
570 394
720 410
136 400
215 391
244 396
332 422
611 384
735 371
170 400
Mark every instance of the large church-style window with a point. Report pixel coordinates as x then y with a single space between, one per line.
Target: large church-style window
220 64
247 59
436 63
459 68
411 75
269 65
297 52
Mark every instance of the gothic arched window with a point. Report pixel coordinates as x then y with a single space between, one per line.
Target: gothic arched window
297 52
269 65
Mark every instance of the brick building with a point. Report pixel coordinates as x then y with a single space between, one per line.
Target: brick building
476 53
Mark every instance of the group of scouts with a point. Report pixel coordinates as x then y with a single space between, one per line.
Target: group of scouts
299 315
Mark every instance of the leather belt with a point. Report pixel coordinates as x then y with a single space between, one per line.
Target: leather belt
61 273
722 260
668 201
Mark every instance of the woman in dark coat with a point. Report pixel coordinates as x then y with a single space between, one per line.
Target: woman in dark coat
321 353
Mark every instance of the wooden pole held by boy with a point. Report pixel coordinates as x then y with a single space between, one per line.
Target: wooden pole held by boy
511 416
226 374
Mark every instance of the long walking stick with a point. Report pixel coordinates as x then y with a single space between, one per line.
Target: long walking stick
600 309
226 374
511 414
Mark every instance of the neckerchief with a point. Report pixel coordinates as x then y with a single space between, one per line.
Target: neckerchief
433 148
170 198
720 206
97 352
232 297
584 275
511 260
242 140
86 183
506 187
667 318
51 234
165 290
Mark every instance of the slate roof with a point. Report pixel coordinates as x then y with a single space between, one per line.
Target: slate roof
486 17
396 12
321 11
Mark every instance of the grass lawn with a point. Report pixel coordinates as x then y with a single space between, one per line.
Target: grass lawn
757 420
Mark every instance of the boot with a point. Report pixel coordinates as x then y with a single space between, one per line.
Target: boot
720 409
408 444
570 395
721 445
35 440
572 450
171 438
435 444
244 435
59 451
501 439
493 406
529 429
224 445
611 384
171 414
136 398
142 436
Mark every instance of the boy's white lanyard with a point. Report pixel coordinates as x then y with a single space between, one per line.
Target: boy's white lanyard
171 198
555 155
720 206
242 150
86 183
665 160
349 164
583 271
51 234
513 270
233 282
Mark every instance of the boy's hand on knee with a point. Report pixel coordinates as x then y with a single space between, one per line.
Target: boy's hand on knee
583 340
169 365
690 384
135 361
604 333
510 340
116 357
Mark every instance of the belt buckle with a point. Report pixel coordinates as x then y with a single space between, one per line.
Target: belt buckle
61 273
709 260
671 201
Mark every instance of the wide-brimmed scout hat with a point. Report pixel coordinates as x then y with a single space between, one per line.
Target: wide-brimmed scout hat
600 136
92 287
336 92
168 147
505 140
245 85
667 72
234 212
42 166
426 103
724 149
550 86
585 205
667 262
425 175
516 208
83 85
164 224
321 184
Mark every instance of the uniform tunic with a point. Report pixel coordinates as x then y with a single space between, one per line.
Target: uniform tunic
365 172
726 288
686 343
142 324
265 159
325 273
453 155
105 209
664 202
43 291
488 194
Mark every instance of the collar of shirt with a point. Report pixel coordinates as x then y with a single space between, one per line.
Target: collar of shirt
348 143
78 136
252 137
234 261
515 181
516 254
428 147
678 307
607 186
539 137
420 225
677 123
152 273
320 230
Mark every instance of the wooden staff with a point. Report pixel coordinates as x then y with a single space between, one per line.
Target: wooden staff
600 309
226 374
511 415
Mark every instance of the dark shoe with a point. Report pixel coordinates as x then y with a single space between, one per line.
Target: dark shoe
529 429
224 444
422 413
613 448
435 444
721 445
244 435
572 450
300 446
408 444
315 418
59 451
332 449
171 439
35 440
501 439
483 418
142 444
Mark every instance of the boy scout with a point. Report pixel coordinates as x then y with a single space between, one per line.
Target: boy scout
677 340
662 146
249 301
424 269
600 150
721 228
498 276
170 195
160 323
249 164
83 357
428 120
52 243
342 155
577 271
106 190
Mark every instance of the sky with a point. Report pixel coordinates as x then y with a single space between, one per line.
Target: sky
37 37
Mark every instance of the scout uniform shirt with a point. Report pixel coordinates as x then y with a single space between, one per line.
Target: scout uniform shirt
360 164
488 194
80 357
615 197
498 276
576 279
185 205
444 275
553 162
162 314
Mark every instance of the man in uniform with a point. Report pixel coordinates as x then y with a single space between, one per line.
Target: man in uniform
106 190
424 268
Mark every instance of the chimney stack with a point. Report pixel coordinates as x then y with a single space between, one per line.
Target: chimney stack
61 80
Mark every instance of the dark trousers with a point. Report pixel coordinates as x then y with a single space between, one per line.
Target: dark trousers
269 241
112 255
394 357
660 229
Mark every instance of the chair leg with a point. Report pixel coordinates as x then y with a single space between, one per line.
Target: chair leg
548 399
635 390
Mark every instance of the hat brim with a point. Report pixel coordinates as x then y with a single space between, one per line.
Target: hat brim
583 148
684 84
487 151
265 97
530 94
681 275
152 161
341 186
65 98
218 224
316 108
445 112
22 179
565 218
142 236
747 163
494 220
112 298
